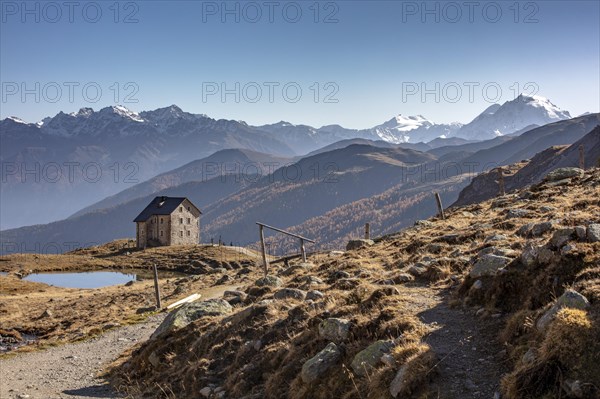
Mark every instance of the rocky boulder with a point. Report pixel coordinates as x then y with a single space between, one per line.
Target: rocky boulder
318 365
451 239
593 232
313 295
539 229
235 297
358 244
517 213
334 329
525 230
561 237
347 283
545 255
339 275
497 251
189 312
290 293
269 281
397 386
496 237
569 299
488 265
530 254
310 280
367 359
563 173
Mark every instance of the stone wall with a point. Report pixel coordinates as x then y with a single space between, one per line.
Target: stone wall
185 225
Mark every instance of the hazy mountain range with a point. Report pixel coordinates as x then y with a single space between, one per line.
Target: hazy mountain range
64 164
327 195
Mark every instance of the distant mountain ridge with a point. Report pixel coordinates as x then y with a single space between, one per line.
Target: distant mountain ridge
124 144
224 164
496 120
121 146
327 194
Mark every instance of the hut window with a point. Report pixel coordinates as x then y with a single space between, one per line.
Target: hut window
188 233
180 220
188 221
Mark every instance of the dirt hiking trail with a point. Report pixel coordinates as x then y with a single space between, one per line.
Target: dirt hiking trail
470 358
71 370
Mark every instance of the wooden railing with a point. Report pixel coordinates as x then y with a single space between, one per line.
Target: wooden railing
262 226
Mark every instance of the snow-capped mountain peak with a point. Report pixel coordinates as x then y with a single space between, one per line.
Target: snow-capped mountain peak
123 112
406 123
83 113
167 117
542 102
405 129
512 116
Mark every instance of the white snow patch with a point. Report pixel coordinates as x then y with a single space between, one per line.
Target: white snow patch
17 120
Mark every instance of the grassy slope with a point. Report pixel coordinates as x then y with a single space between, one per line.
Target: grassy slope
75 314
259 351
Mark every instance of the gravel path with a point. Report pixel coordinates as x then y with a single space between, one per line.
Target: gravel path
471 361
71 370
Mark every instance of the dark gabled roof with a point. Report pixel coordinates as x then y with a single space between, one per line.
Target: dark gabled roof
162 206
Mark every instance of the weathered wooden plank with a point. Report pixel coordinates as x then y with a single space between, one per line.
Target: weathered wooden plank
188 299
438 200
264 250
501 189
285 232
157 288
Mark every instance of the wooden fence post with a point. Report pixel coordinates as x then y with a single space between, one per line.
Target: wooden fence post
157 288
438 200
262 226
367 231
302 250
581 157
264 251
501 190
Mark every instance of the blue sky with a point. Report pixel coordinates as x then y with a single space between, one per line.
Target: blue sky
369 60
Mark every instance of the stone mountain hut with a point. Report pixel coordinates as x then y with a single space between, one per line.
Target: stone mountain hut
168 221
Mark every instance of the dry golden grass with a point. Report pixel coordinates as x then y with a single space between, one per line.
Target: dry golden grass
569 350
262 354
223 352
76 314
288 331
120 254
